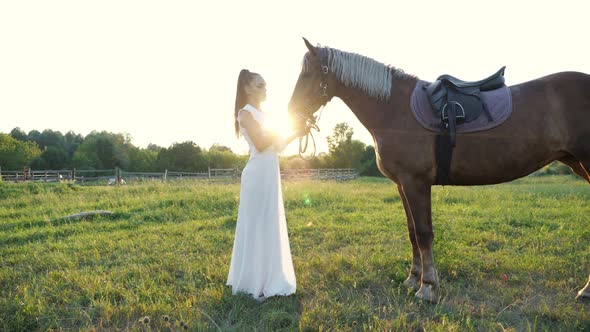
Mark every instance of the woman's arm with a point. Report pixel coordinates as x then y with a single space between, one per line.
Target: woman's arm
260 140
281 143
256 134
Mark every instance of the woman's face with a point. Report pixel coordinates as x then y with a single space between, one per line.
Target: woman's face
256 89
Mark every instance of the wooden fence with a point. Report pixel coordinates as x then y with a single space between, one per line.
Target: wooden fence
118 176
33 175
319 174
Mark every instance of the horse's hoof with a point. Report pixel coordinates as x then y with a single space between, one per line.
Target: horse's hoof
412 283
427 293
584 294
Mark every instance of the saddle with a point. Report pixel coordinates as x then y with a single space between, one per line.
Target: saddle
456 101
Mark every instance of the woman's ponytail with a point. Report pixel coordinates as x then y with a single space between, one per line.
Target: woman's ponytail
244 78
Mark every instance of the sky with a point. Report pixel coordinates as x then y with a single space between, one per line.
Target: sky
166 71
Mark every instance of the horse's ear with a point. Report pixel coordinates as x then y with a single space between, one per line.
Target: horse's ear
310 47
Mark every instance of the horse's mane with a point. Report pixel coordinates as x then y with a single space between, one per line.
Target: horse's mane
357 71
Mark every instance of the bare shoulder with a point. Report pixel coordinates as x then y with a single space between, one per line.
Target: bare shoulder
245 116
247 119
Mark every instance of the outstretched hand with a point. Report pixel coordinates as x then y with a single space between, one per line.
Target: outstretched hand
281 142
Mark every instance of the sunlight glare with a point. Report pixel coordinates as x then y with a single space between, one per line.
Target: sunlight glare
278 120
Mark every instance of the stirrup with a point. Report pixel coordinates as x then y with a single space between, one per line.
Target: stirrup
444 116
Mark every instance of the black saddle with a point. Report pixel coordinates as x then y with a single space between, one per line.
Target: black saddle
456 101
493 82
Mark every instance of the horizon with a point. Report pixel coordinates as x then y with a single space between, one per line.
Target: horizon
166 73
142 147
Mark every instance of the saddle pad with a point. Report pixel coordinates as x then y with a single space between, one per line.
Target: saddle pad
498 102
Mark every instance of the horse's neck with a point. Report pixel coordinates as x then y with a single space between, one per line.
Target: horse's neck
373 113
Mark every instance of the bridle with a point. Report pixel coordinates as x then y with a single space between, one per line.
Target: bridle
311 120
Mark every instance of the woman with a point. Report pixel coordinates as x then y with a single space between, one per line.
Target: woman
261 263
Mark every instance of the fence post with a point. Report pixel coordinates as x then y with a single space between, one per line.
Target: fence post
74 174
209 173
117 175
165 174
0 173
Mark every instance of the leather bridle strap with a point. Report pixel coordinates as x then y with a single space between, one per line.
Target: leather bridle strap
310 119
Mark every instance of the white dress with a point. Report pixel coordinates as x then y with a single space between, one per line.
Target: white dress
261 263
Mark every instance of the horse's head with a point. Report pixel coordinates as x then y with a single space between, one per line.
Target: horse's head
312 89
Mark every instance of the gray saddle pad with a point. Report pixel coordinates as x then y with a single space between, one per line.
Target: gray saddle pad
498 102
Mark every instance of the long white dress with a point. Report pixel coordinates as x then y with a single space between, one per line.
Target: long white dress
261 263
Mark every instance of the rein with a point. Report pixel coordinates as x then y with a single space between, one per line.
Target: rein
311 120
310 123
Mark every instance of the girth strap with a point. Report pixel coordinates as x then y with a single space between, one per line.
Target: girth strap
452 121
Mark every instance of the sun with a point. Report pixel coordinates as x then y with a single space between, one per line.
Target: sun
277 120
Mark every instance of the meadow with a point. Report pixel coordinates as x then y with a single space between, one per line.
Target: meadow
511 257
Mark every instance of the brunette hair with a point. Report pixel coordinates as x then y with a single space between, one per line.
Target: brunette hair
241 97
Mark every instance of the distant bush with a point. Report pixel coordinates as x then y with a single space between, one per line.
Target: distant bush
555 168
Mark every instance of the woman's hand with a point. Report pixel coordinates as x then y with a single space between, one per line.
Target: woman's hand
280 143
302 131
262 139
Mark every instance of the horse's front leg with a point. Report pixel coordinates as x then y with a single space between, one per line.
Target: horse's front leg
417 196
413 280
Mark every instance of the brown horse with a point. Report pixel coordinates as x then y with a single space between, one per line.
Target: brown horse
550 121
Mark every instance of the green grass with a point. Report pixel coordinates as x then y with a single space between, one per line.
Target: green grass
510 257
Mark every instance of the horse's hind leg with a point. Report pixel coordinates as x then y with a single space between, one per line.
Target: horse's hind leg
582 169
413 280
584 293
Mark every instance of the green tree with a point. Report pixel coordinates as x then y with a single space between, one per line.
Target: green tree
344 151
154 147
368 163
186 156
219 147
103 150
72 142
51 138
53 158
142 160
19 134
223 158
54 149
15 154
33 135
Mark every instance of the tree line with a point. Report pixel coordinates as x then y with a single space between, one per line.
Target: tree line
52 150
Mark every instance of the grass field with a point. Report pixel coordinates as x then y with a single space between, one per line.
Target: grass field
510 257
